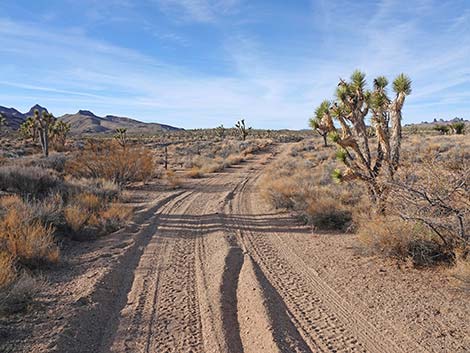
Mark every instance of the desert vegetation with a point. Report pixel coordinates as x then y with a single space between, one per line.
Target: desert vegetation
74 193
415 205
400 192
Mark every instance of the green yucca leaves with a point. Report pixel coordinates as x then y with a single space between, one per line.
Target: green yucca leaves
322 109
314 124
402 84
358 80
379 100
337 175
380 83
341 155
333 136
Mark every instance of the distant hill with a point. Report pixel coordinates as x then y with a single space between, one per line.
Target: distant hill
430 125
86 122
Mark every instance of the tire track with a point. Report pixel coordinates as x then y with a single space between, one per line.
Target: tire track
163 313
326 320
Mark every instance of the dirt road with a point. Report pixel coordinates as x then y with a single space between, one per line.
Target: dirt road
211 269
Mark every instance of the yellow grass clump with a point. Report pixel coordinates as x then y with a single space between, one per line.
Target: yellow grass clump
24 238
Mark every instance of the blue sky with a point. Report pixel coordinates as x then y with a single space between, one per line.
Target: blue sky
200 63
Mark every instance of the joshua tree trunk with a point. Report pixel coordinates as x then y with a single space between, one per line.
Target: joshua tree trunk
45 146
325 142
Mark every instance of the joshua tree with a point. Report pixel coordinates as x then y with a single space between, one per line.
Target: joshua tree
243 131
317 124
352 105
220 132
29 129
458 128
59 132
42 125
121 137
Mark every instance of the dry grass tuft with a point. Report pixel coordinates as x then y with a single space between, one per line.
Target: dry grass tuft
7 269
26 239
88 202
397 238
76 217
115 216
194 172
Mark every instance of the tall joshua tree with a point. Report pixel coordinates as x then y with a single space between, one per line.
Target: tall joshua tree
43 123
353 103
242 130
317 123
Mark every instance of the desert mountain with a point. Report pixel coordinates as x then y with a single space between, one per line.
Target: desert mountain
86 122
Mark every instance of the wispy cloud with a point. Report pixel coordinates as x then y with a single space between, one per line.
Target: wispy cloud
198 10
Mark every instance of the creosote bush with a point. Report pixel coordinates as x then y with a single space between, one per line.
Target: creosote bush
111 161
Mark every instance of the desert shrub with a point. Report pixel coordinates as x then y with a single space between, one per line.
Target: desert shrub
115 217
28 181
279 193
394 237
104 189
108 160
89 202
304 184
7 269
26 239
328 214
55 161
389 237
435 194
16 297
233 159
76 217
194 172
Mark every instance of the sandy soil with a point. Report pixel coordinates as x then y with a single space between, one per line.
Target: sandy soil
210 268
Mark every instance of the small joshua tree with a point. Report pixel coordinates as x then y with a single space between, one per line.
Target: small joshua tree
242 130
43 124
220 132
59 132
317 124
29 130
352 105
121 137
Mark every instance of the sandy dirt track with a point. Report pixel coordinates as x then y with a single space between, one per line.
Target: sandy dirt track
212 269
